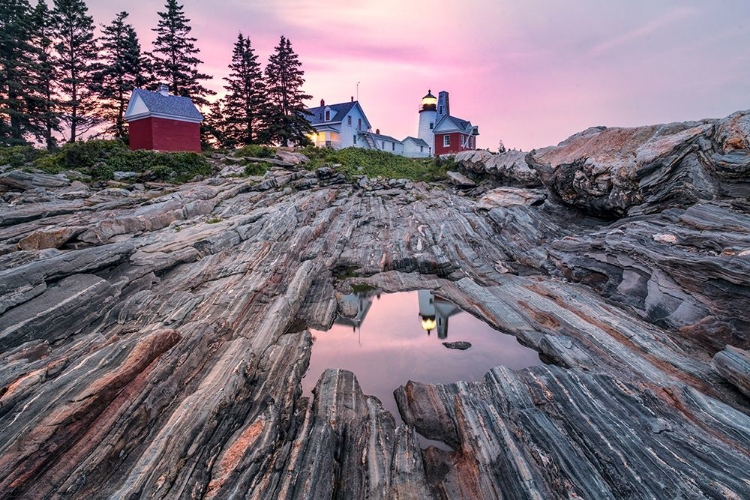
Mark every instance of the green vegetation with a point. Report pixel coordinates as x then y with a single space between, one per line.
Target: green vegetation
255 151
362 288
372 163
256 168
101 159
213 220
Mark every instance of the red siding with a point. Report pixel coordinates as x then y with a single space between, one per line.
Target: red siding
165 135
455 146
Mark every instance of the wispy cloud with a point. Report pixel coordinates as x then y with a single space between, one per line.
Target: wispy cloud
643 31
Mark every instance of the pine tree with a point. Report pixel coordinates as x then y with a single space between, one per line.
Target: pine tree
44 117
174 55
214 127
121 72
77 59
286 117
244 103
15 69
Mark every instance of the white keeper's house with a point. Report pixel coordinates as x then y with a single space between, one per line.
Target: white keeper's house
345 125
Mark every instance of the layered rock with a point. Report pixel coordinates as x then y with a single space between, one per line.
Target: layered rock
153 344
508 168
630 171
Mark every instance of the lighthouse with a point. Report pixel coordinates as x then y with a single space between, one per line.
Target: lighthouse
427 119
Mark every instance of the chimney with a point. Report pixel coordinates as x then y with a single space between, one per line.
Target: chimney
377 131
164 90
352 98
322 103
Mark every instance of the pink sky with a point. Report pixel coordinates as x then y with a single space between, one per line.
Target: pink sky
528 72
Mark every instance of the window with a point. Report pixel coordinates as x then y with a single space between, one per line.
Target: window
393 146
328 116
441 110
355 139
446 140
349 120
431 125
421 149
359 123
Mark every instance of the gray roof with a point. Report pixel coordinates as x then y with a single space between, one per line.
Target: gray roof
169 106
385 137
417 141
458 123
338 112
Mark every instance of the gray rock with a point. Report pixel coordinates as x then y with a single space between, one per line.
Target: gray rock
734 365
508 168
119 176
461 345
19 180
460 180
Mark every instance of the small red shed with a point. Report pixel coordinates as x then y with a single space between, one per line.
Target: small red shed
163 122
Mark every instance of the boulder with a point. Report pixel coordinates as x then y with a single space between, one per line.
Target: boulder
460 180
508 168
21 181
508 197
292 157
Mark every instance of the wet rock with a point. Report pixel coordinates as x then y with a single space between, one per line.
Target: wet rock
460 345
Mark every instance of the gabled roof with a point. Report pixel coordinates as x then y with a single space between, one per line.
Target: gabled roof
144 104
453 124
338 113
385 138
417 141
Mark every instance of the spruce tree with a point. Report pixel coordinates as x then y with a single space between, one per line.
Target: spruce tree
244 103
286 117
121 72
44 117
15 69
77 60
174 55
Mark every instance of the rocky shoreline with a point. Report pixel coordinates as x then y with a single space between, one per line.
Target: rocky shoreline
153 337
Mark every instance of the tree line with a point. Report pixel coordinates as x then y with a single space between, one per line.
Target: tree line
59 81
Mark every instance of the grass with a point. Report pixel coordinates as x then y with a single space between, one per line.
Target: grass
100 159
374 163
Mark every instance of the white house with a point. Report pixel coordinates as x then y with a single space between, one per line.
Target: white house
387 143
339 125
416 148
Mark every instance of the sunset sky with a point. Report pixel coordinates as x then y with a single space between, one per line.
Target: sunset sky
529 72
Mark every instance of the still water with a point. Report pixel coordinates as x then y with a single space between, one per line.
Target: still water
389 339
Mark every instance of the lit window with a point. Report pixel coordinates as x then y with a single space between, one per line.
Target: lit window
349 120
328 116
446 140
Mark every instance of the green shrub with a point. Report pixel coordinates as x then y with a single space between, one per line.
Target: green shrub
255 151
256 168
375 163
100 159
18 156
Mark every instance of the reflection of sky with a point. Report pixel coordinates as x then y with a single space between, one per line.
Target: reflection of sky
391 348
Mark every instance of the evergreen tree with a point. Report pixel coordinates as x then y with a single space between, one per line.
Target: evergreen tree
44 117
214 128
174 55
15 68
122 71
244 103
286 117
77 60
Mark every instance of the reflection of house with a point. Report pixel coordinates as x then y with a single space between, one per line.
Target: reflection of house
434 313
356 306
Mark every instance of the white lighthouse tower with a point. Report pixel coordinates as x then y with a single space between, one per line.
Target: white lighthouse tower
427 119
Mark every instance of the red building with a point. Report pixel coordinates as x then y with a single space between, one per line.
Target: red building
443 132
163 122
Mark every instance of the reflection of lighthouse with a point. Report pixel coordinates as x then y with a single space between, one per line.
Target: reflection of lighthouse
434 313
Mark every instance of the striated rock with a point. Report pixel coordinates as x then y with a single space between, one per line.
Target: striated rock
507 197
157 347
19 180
508 168
734 365
291 157
618 171
460 180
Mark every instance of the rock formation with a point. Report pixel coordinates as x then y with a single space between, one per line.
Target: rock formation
153 337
